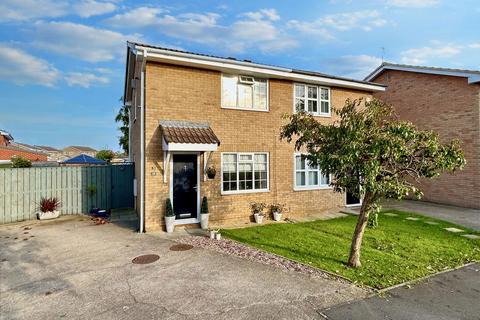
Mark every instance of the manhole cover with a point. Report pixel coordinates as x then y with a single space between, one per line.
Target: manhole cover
147 258
181 247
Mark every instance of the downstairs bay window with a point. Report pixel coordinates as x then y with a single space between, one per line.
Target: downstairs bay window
244 172
307 176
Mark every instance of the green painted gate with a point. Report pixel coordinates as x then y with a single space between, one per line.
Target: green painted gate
122 186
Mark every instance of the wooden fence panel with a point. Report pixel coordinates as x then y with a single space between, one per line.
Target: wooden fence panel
22 188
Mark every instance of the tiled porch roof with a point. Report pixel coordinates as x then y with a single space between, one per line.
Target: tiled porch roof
188 132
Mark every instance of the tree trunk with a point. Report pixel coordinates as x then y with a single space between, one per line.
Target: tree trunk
354 259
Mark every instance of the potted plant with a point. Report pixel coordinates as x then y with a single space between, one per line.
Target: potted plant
204 214
48 208
257 211
169 216
211 172
277 209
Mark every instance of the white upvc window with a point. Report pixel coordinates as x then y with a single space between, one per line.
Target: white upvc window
244 92
312 99
245 172
308 177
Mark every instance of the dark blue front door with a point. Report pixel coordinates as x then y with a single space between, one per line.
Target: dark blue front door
185 186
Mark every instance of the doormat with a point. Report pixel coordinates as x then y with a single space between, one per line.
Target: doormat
145 259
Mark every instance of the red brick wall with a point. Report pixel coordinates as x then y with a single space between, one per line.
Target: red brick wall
7 154
3 141
451 107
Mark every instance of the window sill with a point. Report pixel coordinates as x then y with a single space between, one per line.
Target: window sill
325 115
227 193
312 188
241 109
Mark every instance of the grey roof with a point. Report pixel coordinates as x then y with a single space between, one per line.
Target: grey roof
305 72
174 131
473 75
6 134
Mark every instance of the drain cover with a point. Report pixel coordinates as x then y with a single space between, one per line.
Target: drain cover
181 247
146 258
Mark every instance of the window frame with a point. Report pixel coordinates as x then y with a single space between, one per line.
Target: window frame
319 99
267 82
228 192
307 186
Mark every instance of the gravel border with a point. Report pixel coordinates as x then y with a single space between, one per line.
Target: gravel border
231 247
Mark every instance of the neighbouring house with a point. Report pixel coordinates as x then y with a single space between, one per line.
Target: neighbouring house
83 160
72 151
192 113
9 148
53 153
446 101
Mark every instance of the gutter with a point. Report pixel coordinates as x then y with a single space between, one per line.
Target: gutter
141 228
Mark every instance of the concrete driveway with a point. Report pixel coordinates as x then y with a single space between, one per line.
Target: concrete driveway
72 269
447 296
463 216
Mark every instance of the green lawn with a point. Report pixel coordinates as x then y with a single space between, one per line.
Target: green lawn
397 251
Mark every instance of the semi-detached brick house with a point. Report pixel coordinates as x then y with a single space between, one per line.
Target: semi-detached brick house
190 112
448 102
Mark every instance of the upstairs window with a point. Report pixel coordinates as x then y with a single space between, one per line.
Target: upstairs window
312 99
244 92
309 177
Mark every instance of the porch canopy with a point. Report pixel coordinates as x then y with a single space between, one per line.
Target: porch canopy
188 136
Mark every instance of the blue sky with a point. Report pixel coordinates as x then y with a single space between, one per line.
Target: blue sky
62 62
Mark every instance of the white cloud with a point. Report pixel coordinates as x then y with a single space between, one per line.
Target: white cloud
425 54
413 3
23 68
252 29
474 45
80 41
89 8
21 10
354 66
325 26
270 14
138 17
85 80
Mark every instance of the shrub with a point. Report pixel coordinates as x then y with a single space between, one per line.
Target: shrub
169 209
49 204
105 155
204 208
20 162
278 207
257 207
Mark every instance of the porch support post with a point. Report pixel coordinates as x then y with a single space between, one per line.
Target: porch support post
166 164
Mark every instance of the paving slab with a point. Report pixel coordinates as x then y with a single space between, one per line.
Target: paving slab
454 230
73 269
390 214
467 217
447 296
471 236
412 218
433 223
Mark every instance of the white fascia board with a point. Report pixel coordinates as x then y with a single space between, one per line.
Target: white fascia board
196 147
254 69
471 77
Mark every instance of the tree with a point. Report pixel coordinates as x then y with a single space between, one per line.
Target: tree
368 147
105 155
124 119
20 162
